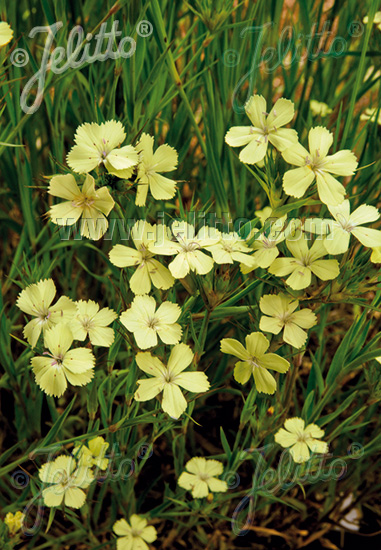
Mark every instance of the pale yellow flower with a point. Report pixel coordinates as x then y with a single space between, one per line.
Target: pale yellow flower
164 159
305 262
201 478
93 205
371 114
66 482
300 439
92 454
231 248
266 127
168 379
316 164
134 535
61 364
376 20
265 245
255 361
347 224
280 315
318 108
97 144
148 270
14 522
36 300
6 33
187 249
147 323
93 322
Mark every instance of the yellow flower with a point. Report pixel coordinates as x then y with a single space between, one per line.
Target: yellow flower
255 361
66 482
376 255
93 322
168 379
90 203
97 144
266 127
305 261
6 34
148 270
147 323
187 249
317 164
62 365
346 224
92 454
231 248
14 522
202 477
370 114
282 315
300 439
36 300
164 159
266 244
376 20
263 214
318 108
134 535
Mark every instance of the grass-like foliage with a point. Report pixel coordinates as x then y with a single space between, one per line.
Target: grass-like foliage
190 269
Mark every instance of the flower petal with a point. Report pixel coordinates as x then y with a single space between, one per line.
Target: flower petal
233 347
174 402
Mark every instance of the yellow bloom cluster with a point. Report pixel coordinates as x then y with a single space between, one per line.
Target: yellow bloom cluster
67 476
61 324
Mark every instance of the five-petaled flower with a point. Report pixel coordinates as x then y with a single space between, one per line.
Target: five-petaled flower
231 248
347 224
317 164
255 361
36 300
134 535
66 482
148 270
168 379
164 159
280 314
300 439
93 205
187 249
147 322
97 144
60 364
305 262
200 477
266 127
93 322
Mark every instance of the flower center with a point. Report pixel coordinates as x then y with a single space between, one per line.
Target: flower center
86 322
82 201
203 476
153 323
254 363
